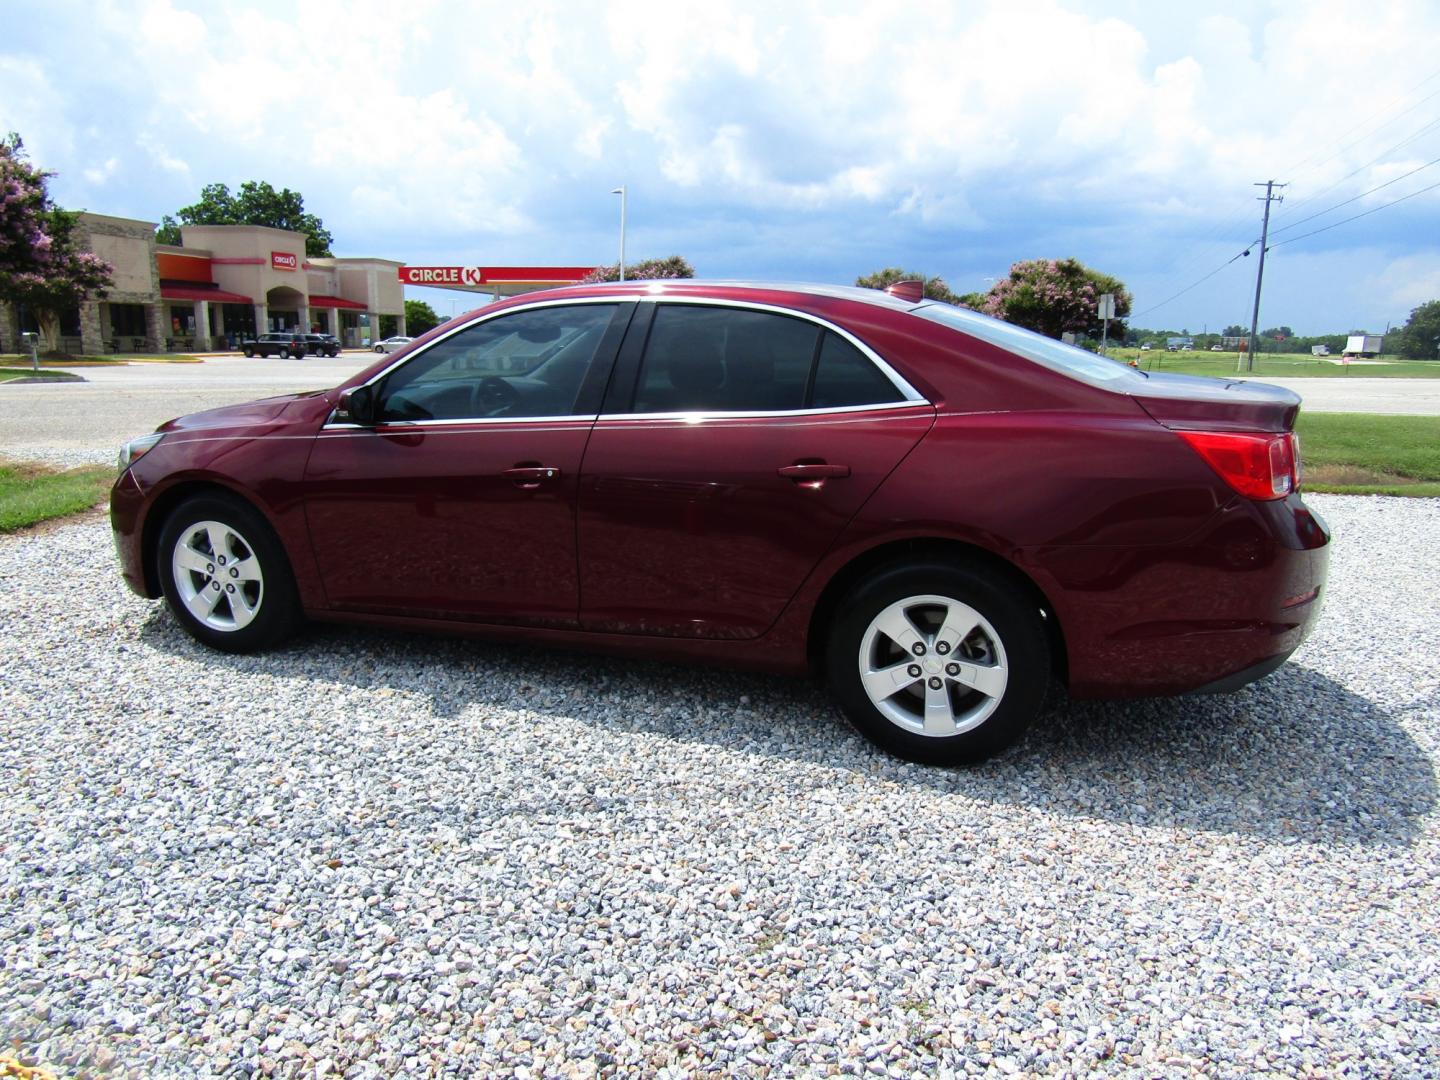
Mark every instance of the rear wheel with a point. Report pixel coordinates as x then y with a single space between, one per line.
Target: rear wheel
225 575
284 352
939 664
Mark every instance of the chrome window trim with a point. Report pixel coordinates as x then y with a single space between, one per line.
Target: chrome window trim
695 414
401 425
897 380
912 396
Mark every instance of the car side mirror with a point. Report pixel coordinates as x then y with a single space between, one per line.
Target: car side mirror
357 406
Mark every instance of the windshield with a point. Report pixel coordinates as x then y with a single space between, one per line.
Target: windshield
1055 355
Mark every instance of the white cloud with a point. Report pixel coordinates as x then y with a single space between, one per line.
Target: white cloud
1019 126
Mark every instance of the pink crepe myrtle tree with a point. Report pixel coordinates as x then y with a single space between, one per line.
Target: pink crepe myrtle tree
1052 296
39 263
675 266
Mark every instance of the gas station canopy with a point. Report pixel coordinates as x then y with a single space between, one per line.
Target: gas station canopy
497 280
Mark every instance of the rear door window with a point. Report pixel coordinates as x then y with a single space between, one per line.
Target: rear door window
724 359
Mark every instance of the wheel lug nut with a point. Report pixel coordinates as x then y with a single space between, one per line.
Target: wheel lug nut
918 649
210 568
942 647
952 669
935 683
222 560
914 671
234 572
216 584
229 588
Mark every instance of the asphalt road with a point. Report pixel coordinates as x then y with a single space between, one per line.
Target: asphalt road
118 403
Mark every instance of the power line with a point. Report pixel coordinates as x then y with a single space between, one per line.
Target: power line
1357 217
1402 143
1183 268
1304 165
1355 198
1207 277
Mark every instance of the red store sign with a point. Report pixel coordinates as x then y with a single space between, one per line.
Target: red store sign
442 275
283 260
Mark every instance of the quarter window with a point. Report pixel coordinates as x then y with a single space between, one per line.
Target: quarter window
846 376
531 363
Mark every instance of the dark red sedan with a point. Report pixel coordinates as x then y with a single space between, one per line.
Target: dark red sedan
937 511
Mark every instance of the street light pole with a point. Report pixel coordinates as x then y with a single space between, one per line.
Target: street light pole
621 192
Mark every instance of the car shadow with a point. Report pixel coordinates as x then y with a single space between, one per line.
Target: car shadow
1295 757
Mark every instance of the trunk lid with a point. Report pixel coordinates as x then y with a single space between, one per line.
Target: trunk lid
1198 402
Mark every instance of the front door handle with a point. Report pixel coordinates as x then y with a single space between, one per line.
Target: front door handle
813 471
530 477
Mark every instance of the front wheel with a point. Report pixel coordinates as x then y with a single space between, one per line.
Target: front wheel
249 354
939 664
225 575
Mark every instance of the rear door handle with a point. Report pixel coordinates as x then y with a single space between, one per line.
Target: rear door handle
815 471
530 476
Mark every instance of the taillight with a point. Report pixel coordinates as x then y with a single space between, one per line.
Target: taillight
1258 466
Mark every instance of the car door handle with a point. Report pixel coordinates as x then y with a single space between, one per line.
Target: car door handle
530 476
813 471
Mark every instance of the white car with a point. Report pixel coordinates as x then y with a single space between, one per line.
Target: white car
390 344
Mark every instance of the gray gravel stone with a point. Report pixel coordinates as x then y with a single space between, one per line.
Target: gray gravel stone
373 854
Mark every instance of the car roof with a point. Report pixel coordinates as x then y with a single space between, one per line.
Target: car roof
700 286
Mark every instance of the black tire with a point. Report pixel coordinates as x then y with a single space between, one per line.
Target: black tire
273 599
284 352
379 349
249 353
334 353
983 724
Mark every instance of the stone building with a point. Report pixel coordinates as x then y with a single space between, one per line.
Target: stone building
225 282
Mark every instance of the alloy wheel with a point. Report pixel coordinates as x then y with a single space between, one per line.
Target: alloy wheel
218 575
933 666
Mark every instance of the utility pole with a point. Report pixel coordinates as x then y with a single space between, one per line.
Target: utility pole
1269 197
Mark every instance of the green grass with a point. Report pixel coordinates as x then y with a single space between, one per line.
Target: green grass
6 374
1360 454
33 493
1280 365
19 359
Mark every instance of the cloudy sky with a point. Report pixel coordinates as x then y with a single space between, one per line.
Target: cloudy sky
780 140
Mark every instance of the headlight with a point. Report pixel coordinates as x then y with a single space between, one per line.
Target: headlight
135 449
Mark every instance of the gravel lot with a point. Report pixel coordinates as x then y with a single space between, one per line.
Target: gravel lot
379 854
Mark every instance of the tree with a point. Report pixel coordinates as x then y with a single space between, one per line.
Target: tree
646 270
419 317
935 287
39 263
1234 330
256 203
1053 296
1419 338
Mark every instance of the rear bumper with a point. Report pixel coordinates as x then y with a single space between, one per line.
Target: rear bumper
1206 617
1230 683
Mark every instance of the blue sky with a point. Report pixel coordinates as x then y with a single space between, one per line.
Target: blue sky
811 141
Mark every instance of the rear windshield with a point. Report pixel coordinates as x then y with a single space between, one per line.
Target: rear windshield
1055 355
